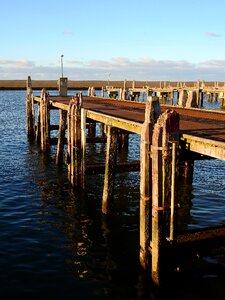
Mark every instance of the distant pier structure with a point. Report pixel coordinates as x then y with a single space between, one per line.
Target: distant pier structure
188 94
171 137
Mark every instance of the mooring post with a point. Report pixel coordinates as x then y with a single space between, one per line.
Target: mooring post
38 126
61 136
152 112
45 121
174 176
222 103
30 111
74 142
192 99
83 146
164 131
183 96
110 164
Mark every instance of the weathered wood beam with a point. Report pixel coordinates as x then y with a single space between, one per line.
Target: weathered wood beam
204 146
30 118
152 112
164 131
110 163
61 136
74 142
115 122
45 121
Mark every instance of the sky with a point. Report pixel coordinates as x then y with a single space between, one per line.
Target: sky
113 40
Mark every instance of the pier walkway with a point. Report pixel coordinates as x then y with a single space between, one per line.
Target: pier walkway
169 137
202 130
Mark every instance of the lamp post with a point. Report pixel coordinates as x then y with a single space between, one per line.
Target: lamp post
62 64
109 74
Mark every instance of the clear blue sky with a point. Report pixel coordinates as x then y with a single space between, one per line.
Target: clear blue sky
116 40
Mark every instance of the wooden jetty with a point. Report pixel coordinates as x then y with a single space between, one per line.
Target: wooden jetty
169 137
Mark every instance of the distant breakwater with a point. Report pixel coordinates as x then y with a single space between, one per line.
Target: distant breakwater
97 84
72 84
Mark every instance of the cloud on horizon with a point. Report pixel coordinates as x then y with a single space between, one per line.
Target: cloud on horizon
120 68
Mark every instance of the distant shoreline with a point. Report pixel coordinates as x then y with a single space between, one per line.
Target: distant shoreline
72 84
85 84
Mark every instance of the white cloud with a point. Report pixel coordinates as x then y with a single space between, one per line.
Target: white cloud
67 33
17 63
212 34
120 68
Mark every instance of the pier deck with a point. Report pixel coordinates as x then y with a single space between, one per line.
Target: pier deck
202 130
165 131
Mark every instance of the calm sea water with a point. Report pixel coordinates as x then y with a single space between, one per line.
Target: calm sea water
56 244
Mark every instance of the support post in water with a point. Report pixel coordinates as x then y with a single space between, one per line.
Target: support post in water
152 112
110 164
83 145
74 142
30 111
61 136
165 130
45 121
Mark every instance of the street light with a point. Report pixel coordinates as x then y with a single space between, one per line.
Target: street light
62 64
109 74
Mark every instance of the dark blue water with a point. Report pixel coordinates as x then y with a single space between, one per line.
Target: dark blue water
56 244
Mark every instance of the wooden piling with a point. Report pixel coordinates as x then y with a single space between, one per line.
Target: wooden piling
38 126
192 99
174 176
183 96
110 164
74 142
166 126
30 118
83 146
152 112
61 136
45 121
123 140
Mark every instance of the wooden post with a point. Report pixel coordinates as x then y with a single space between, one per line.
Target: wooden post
222 103
74 142
152 112
83 146
92 129
38 126
166 126
123 140
192 99
183 96
174 177
61 136
102 91
110 163
45 121
30 111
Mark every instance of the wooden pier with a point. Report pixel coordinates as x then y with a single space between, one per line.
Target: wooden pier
169 137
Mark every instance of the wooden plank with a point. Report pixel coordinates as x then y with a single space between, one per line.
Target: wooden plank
115 122
204 146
